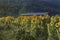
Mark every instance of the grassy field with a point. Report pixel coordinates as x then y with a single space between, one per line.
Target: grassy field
30 28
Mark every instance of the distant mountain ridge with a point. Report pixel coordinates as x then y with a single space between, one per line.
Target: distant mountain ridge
54 2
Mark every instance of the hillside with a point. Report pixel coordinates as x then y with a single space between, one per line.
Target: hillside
16 7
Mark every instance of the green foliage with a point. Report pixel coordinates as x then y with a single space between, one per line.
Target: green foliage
16 7
28 28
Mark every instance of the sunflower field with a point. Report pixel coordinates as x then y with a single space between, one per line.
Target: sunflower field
43 27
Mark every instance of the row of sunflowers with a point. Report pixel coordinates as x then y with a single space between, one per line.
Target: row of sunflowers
43 27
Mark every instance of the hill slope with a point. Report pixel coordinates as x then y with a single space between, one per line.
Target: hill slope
16 7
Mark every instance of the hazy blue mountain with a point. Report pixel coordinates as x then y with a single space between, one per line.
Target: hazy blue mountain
54 2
